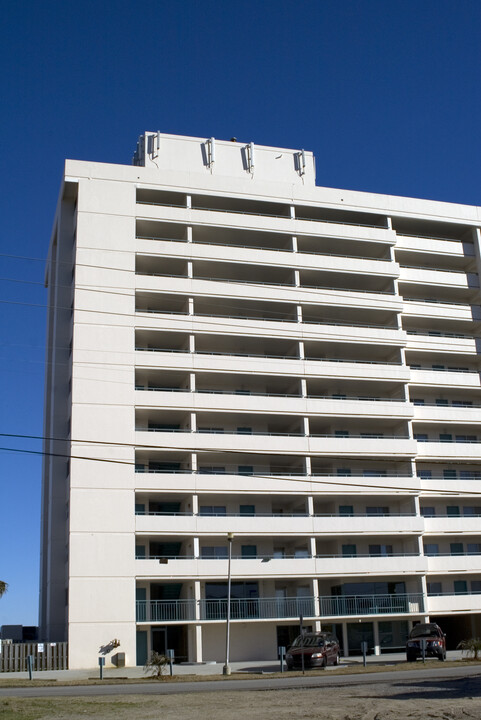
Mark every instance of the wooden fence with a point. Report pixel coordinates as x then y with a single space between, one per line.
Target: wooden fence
46 656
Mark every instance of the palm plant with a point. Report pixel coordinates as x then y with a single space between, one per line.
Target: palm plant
3 588
472 646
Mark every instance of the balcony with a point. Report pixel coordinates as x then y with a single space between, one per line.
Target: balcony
279 608
449 603
262 524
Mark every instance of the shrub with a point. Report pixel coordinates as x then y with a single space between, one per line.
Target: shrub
156 665
471 647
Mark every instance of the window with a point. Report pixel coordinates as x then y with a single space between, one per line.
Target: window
346 510
245 470
425 474
474 548
343 471
140 551
476 586
139 508
248 551
441 401
247 509
435 588
349 550
431 549
456 548
244 431
428 511
215 430
380 550
421 437
418 401
372 435
438 367
214 552
211 470
460 587
341 433
466 438
212 510
377 510
279 553
445 437
471 510
452 510
301 552
374 473
462 403
449 474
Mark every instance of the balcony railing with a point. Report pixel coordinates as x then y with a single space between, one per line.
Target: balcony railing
279 608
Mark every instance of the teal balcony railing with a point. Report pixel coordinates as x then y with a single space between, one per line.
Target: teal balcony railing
279 608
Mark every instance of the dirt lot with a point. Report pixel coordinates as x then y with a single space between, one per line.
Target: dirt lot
426 699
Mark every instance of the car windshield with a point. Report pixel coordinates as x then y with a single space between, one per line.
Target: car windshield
308 641
424 631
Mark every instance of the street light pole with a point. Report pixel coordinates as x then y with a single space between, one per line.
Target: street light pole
226 669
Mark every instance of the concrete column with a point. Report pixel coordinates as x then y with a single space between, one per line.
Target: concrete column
312 546
299 313
377 645
308 465
310 504
190 269
192 343
195 504
345 640
303 387
196 547
197 629
315 594
306 426
193 422
191 306
189 234
188 201
424 590
297 278
294 243
292 211
389 223
301 350
193 462
192 382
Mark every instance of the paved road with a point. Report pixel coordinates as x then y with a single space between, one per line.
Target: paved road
397 678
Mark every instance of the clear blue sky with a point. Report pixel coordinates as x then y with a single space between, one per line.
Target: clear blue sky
386 93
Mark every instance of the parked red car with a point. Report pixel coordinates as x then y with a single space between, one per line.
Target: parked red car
319 649
435 642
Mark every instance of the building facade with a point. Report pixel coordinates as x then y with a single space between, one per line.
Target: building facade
233 349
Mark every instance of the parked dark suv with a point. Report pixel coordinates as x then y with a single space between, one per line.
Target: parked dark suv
319 649
435 642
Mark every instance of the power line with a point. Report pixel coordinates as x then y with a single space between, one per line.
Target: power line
306 479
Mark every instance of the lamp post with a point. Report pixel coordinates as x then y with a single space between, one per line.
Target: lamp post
226 669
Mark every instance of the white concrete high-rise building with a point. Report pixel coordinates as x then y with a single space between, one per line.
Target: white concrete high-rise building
232 349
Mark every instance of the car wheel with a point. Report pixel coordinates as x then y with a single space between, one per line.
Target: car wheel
337 659
324 662
442 657
410 658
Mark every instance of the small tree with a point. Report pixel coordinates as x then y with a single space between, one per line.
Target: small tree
3 588
156 665
472 646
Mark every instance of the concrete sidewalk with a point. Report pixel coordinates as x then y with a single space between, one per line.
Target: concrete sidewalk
212 669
